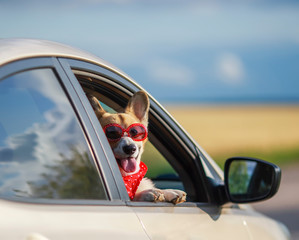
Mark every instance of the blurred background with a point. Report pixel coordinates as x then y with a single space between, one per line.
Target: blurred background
227 70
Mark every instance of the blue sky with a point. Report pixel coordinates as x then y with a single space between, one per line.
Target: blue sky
178 50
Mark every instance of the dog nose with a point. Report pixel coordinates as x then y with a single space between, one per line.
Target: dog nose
129 149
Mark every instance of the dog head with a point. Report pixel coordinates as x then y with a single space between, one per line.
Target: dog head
126 132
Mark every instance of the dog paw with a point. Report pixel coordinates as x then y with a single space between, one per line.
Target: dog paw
150 195
179 199
174 196
159 196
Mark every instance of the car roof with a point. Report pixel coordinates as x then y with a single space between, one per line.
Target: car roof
13 49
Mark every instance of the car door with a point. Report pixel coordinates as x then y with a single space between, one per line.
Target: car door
174 161
55 180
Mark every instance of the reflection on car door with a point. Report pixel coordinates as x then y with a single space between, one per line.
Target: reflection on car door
191 222
207 222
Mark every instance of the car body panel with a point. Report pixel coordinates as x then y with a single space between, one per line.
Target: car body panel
208 222
262 227
60 222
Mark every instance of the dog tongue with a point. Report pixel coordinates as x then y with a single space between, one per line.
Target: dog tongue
128 164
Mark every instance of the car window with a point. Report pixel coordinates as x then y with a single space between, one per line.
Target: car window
43 151
170 155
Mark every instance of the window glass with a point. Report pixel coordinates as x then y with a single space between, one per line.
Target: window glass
158 166
43 151
159 169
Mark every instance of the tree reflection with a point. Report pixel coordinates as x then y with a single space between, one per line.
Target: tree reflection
239 178
70 178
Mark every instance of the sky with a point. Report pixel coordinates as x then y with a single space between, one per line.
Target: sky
179 51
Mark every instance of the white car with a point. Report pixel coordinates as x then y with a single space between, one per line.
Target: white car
60 180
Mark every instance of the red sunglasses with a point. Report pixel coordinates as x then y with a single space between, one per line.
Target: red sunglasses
115 132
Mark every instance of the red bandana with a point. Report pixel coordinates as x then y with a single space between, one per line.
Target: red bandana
132 181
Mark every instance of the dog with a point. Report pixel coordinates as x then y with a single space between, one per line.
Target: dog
127 135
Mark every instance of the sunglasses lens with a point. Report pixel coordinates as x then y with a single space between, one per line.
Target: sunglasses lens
138 132
113 132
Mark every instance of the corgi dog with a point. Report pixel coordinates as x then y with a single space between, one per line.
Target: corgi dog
127 135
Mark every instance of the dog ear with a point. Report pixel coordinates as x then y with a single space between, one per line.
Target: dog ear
99 110
139 106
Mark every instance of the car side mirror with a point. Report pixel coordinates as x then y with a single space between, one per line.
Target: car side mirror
250 180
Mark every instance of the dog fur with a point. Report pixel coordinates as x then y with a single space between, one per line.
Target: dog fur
135 112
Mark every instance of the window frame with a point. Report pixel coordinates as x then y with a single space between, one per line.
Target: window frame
212 187
99 157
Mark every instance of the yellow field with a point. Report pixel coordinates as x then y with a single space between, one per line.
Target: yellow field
223 130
